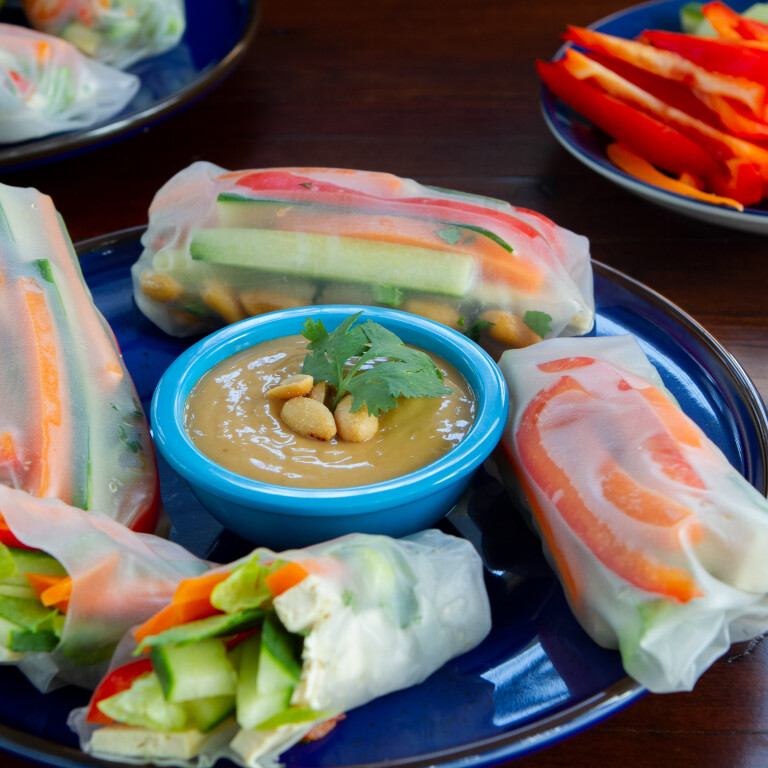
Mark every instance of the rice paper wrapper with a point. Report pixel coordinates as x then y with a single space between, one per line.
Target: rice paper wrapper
47 86
221 246
72 425
377 615
119 579
658 541
117 32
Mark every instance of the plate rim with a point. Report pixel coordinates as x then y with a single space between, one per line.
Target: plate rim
35 151
750 219
526 738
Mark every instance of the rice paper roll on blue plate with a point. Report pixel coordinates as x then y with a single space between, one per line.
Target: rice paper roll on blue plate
222 246
72 425
657 539
115 32
270 647
48 86
72 583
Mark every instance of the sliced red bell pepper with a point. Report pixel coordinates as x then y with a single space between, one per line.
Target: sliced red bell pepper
672 66
659 143
115 682
721 144
619 556
730 24
7 537
292 185
729 57
715 110
739 180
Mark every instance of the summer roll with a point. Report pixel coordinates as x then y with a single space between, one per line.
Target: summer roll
48 86
256 655
71 426
221 246
658 541
71 585
115 32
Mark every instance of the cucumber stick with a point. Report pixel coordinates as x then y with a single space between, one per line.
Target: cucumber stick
269 670
194 671
332 257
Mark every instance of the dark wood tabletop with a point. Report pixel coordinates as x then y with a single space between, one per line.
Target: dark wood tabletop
447 93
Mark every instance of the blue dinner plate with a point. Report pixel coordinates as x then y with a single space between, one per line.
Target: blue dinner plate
587 144
537 678
217 35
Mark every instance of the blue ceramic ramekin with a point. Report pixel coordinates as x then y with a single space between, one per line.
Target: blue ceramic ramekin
281 517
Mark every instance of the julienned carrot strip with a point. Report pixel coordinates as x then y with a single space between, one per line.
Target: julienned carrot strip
42 581
59 592
285 577
617 555
198 587
639 168
92 334
173 615
52 591
191 601
51 473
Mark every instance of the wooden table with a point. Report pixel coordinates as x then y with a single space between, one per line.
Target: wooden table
446 93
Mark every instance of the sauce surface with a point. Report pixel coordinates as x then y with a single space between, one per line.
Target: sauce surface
230 419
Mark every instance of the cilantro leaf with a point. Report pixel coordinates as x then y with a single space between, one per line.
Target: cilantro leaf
538 322
390 295
330 352
451 235
371 363
476 328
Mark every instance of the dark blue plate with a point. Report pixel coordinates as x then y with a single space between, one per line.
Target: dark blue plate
217 35
587 144
537 678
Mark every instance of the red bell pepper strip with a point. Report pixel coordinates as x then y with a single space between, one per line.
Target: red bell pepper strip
659 143
729 24
739 180
7 537
723 145
292 185
710 108
630 563
115 682
730 57
637 167
672 66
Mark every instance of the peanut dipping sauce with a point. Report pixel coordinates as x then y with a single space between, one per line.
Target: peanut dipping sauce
230 419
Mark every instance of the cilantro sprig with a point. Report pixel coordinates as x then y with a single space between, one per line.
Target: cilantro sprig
340 358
